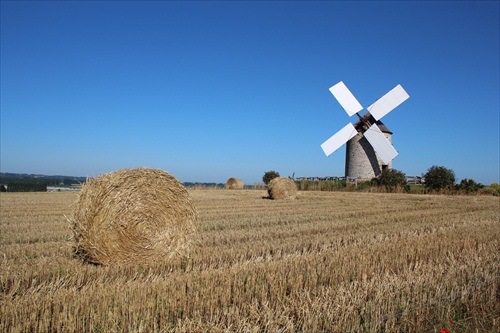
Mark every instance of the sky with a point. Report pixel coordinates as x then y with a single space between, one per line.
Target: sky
212 90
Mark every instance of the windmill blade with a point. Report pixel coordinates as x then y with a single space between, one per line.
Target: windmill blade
380 144
349 103
338 139
388 102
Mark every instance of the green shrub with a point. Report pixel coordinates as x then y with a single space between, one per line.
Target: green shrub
496 187
469 185
393 180
365 185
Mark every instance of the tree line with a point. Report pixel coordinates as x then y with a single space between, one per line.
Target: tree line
437 179
23 187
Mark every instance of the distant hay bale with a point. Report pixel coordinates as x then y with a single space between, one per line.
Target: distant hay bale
282 188
133 215
234 184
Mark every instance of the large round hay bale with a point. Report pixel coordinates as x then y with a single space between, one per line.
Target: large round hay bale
133 215
234 184
280 188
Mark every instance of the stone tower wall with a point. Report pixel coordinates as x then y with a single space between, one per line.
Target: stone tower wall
361 161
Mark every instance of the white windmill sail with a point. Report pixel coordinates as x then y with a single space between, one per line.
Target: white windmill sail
388 102
380 144
338 139
349 103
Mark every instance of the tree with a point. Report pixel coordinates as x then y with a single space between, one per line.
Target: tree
270 175
393 179
439 177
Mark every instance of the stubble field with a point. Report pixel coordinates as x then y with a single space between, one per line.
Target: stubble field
325 262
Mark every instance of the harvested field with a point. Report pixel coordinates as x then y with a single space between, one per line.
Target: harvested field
325 262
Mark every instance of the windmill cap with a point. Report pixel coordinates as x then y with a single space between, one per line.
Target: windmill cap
359 124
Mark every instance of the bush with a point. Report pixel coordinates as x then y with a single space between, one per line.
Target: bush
439 177
488 191
364 185
495 187
393 179
270 175
469 185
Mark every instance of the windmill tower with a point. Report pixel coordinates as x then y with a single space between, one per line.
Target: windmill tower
369 142
361 161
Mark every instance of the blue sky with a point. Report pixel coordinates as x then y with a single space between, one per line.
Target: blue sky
212 90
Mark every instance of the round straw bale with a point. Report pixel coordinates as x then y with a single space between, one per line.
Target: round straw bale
133 215
234 184
282 188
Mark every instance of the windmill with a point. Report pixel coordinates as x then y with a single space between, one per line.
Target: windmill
369 148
